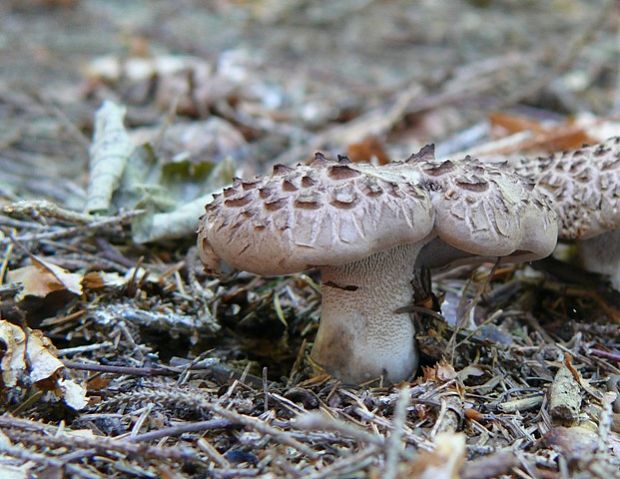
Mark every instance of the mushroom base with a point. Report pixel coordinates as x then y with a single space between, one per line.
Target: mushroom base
361 337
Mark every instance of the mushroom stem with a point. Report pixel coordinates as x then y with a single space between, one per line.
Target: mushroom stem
601 254
360 336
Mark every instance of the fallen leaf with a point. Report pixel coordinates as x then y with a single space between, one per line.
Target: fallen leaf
214 138
444 462
543 137
43 277
109 154
30 358
471 370
73 394
366 150
171 194
442 371
573 442
102 279
510 123
180 221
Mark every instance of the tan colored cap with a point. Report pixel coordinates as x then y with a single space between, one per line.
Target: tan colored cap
326 213
330 213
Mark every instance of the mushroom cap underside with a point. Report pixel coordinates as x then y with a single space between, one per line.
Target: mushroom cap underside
331 213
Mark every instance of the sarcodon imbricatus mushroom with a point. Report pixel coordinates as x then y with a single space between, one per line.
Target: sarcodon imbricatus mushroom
368 229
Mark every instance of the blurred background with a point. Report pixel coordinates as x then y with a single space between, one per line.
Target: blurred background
273 81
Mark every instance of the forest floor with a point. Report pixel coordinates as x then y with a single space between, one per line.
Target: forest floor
120 357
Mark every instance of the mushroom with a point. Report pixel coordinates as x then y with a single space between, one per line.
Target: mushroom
583 185
368 229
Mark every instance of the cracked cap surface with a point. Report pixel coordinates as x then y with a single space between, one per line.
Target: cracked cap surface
330 213
584 184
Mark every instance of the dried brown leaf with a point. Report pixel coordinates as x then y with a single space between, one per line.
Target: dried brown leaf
43 277
30 358
443 372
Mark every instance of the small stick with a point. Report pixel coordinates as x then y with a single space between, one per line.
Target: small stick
5 261
129 370
442 412
605 421
49 462
42 208
99 444
265 389
141 420
198 403
605 354
318 421
394 442
350 464
232 473
84 349
181 429
297 364
213 453
521 404
261 427
75 230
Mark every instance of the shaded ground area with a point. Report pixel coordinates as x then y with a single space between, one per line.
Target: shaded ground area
185 375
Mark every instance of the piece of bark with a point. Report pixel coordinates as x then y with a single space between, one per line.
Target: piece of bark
522 404
564 397
575 443
109 154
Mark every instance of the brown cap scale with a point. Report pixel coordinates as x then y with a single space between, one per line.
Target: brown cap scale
364 227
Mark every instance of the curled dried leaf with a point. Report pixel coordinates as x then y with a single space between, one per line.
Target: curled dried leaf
30 359
43 277
109 154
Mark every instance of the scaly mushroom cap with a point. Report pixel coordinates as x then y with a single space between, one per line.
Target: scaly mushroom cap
325 213
331 213
584 186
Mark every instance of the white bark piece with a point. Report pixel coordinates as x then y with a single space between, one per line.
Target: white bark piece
109 154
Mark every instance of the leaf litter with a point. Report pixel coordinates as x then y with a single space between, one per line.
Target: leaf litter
121 357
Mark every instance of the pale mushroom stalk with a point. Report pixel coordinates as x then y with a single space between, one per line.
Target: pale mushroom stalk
601 254
361 336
